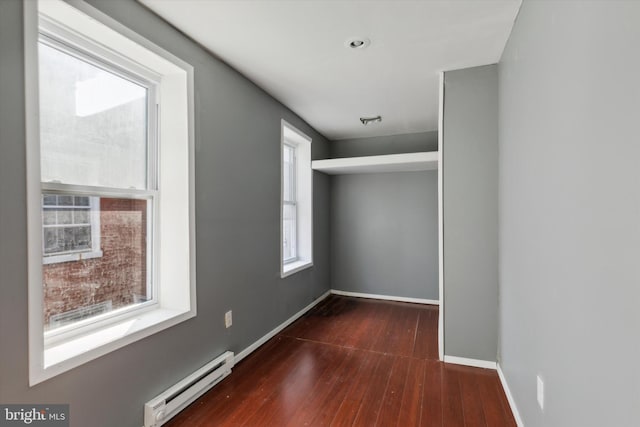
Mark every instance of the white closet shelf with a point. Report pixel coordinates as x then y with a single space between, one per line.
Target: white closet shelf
407 162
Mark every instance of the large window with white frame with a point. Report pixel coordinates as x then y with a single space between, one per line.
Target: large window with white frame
296 201
111 251
98 146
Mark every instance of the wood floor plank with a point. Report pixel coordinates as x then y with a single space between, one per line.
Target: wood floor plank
369 326
452 409
392 399
342 388
345 321
433 333
288 395
494 402
317 396
509 419
471 398
350 405
374 396
426 343
411 407
432 395
403 324
347 413
380 326
252 394
336 320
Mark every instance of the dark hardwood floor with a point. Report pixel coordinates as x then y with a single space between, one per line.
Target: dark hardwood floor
353 362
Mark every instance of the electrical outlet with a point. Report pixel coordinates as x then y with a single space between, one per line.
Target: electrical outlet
228 319
540 393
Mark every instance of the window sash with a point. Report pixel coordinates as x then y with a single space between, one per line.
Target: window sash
84 50
289 225
87 51
290 174
70 331
289 234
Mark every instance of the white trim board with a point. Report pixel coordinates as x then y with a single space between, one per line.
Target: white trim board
476 363
510 399
441 218
247 351
404 162
385 297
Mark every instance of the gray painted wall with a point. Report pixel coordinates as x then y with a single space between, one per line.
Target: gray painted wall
570 212
384 233
237 221
393 144
470 216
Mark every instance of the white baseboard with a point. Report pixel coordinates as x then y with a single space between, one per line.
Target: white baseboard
247 351
512 402
487 364
386 297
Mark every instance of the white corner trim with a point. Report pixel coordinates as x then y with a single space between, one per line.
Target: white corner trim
476 363
247 351
510 399
441 218
386 297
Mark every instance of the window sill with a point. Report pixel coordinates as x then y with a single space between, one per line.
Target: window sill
80 349
294 267
53 259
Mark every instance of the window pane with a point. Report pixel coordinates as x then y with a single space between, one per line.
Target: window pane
289 251
81 237
81 201
65 200
118 277
51 240
65 216
49 217
81 216
288 170
93 124
49 199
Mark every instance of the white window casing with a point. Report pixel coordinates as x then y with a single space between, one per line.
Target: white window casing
297 199
170 188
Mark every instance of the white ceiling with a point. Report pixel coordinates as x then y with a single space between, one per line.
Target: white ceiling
295 50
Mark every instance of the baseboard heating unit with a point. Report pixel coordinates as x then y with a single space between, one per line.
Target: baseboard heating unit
164 406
